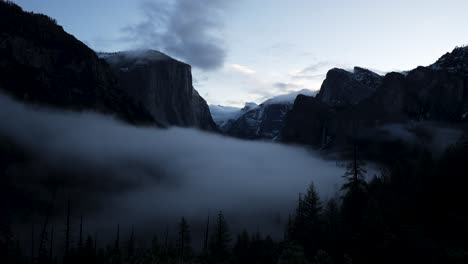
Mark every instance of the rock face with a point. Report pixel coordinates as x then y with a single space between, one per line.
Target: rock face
348 106
264 121
162 86
224 115
41 64
342 87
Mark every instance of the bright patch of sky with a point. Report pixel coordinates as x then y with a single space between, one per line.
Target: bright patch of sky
269 47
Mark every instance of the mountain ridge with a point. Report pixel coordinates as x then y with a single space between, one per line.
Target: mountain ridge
42 64
437 93
263 121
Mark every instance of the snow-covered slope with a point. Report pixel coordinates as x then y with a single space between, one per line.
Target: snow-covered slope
223 114
289 98
263 121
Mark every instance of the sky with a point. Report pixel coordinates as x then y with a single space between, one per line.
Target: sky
250 50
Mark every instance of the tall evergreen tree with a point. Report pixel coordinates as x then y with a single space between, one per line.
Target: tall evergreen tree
89 255
116 256
184 240
355 197
32 244
51 247
299 222
241 247
205 240
311 206
311 210
221 239
67 235
355 173
80 240
131 245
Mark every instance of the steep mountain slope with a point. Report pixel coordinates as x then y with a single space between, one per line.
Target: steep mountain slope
162 86
223 115
342 87
346 108
264 121
42 64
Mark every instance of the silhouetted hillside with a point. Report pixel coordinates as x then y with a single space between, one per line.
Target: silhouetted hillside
42 64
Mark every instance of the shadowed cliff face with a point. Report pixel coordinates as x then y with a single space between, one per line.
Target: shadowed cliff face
425 95
264 121
342 87
162 86
40 63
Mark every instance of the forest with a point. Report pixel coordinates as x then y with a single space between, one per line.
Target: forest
413 211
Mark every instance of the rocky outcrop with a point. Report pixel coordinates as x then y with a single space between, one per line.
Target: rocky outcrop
162 86
347 107
42 64
342 87
264 121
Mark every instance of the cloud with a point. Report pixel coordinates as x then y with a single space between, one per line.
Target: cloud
314 67
312 72
284 87
149 177
279 88
240 69
309 77
189 30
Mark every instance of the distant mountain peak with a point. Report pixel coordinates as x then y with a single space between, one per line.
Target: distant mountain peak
455 61
289 97
249 106
133 57
255 121
348 87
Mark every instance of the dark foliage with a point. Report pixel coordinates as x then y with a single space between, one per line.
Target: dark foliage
415 211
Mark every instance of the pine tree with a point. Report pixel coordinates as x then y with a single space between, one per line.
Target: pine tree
311 210
32 243
80 241
116 256
355 173
241 247
67 235
331 217
155 247
311 206
207 231
289 234
131 245
6 239
184 240
51 247
221 239
354 199
298 223
89 254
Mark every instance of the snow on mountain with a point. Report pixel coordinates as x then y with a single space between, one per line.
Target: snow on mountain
256 121
133 57
222 114
289 98
455 61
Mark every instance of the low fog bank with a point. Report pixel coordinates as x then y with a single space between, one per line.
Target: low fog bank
147 177
433 136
